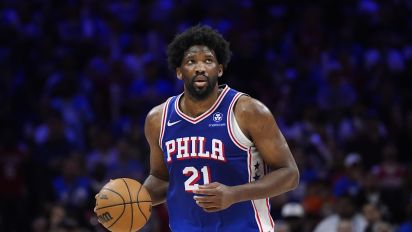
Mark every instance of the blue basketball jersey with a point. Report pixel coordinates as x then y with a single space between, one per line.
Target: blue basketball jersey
205 149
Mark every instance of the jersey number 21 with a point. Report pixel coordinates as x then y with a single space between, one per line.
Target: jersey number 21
192 182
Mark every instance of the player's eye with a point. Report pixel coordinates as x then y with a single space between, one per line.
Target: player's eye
209 61
190 62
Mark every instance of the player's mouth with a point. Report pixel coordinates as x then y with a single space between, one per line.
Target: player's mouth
200 84
200 81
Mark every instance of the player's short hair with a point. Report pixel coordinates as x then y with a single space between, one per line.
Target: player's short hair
198 35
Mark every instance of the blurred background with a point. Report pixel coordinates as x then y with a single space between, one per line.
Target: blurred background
77 78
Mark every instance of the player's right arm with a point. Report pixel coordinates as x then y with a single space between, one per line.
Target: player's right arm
158 180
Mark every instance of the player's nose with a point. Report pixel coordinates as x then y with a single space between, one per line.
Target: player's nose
200 67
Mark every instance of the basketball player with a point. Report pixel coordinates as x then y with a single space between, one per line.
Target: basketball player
216 154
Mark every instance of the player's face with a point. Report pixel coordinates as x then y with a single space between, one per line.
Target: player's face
199 71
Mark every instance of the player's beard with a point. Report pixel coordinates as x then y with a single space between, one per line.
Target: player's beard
201 93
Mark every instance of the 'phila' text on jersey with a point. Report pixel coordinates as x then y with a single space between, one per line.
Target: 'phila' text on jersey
194 147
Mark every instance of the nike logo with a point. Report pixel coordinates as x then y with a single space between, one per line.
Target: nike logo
172 123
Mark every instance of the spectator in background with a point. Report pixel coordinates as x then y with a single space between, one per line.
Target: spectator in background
346 211
369 138
102 151
127 164
337 94
72 189
293 216
318 203
71 103
53 143
390 173
350 181
374 216
344 225
370 191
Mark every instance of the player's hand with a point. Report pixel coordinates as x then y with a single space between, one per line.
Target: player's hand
215 197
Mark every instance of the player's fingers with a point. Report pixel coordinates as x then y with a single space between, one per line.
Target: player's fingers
203 198
207 205
208 186
205 191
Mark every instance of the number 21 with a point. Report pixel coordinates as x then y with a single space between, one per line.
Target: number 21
193 174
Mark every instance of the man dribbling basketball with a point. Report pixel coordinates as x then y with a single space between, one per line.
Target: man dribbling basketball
211 146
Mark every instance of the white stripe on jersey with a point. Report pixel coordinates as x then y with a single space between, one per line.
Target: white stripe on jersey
163 122
235 132
261 206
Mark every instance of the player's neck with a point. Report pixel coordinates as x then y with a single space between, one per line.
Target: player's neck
194 107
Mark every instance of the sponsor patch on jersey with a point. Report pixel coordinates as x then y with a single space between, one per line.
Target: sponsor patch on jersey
217 117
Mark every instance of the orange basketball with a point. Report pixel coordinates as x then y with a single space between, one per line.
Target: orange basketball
123 205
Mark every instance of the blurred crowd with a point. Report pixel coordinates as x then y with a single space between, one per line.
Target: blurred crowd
77 78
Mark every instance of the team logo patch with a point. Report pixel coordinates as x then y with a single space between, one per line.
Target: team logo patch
217 117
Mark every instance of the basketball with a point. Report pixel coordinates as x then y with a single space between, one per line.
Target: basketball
123 205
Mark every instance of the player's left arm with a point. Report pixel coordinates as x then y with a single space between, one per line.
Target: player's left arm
258 124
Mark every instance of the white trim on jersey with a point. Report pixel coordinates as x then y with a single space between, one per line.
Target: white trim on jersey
206 113
261 206
163 121
234 130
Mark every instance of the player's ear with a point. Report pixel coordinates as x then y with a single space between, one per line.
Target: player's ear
179 74
220 72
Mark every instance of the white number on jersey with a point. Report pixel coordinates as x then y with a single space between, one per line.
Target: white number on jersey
192 182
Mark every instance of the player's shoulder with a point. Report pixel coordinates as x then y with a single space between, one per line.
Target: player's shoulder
156 111
251 114
155 114
249 106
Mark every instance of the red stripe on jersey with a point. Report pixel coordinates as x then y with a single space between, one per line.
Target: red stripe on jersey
270 216
257 215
